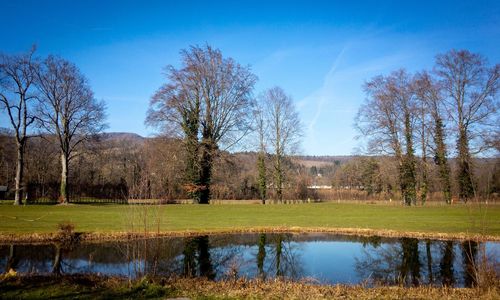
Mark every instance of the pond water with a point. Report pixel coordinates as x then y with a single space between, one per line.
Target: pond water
318 258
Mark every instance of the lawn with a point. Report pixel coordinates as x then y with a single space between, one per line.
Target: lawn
469 219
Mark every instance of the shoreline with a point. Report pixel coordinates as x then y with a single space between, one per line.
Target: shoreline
362 232
103 287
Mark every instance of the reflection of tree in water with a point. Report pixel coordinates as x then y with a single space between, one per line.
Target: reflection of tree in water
429 261
189 257
26 258
197 260
261 255
283 256
142 257
56 266
379 263
469 259
410 266
397 263
401 263
446 264
60 250
12 260
271 255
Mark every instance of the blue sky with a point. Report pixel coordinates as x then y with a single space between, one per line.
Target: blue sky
320 52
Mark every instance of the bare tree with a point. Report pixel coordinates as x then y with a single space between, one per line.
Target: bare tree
284 131
17 75
68 110
387 119
471 88
261 128
208 102
423 130
175 109
430 97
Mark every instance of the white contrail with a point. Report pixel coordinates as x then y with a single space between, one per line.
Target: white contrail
325 90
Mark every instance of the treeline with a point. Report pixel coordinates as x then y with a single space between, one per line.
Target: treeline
117 167
52 97
425 135
414 117
376 178
205 107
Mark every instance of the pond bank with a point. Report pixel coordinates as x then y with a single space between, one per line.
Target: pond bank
117 236
99 287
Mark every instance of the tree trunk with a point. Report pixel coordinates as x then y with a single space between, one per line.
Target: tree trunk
261 166
465 175
441 160
19 175
408 168
192 172
206 172
425 180
64 198
279 179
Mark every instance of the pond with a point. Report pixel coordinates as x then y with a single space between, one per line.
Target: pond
313 257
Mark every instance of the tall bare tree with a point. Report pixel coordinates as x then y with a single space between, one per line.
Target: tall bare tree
387 119
423 130
17 75
261 128
175 109
471 88
284 131
67 110
209 102
431 100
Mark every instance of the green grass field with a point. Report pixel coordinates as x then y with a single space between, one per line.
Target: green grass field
469 219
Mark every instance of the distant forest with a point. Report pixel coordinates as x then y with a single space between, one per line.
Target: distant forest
120 166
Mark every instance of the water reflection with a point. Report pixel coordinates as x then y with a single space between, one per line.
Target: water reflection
410 265
429 261
402 262
446 269
197 260
12 259
56 266
324 258
278 255
469 258
261 255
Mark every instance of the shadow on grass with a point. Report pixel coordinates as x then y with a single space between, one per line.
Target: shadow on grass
78 287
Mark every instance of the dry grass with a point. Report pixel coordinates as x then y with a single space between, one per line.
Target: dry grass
279 289
96 287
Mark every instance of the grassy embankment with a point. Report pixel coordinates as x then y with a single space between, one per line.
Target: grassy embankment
96 287
101 220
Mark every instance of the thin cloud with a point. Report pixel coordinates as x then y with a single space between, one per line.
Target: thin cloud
324 92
